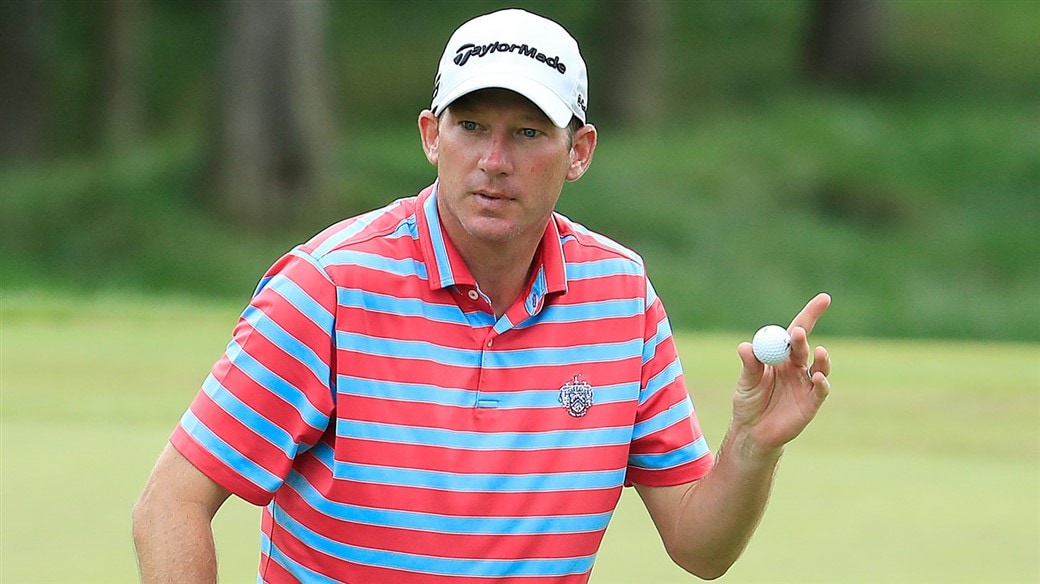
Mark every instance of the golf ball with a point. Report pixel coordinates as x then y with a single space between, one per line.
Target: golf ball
772 344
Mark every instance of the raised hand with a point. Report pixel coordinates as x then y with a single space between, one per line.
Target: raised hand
774 403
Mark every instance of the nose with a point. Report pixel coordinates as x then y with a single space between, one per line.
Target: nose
496 159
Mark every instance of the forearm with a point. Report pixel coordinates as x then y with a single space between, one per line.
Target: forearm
719 513
705 525
173 545
172 530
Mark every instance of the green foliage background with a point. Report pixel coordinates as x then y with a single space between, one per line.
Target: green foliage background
914 200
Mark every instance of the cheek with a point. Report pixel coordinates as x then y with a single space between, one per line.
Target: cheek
449 164
457 157
551 166
560 171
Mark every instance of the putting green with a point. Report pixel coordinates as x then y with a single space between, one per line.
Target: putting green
923 466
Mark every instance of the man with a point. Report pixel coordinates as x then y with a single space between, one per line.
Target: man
455 388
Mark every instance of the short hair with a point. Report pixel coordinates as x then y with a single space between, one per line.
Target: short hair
572 129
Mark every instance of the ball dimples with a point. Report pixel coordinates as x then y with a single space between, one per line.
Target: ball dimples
772 344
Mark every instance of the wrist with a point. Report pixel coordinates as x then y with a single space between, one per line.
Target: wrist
741 448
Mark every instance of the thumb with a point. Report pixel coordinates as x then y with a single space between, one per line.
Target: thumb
753 369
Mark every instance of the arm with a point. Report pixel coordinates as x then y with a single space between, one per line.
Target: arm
706 525
172 519
171 522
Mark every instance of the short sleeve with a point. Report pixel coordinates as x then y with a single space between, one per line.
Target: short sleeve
668 446
271 395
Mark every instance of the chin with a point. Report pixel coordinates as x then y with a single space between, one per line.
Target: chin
492 231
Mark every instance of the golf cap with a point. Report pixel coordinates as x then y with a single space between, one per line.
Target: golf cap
516 50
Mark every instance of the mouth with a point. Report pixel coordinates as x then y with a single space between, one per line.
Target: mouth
492 197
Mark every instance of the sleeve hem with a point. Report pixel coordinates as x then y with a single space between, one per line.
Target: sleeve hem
217 470
687 473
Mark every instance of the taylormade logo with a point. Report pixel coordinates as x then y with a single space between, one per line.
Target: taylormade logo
468 50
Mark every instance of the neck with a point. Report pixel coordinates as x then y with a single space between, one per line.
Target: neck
501 275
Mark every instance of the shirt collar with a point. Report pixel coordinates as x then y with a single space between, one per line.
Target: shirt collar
446 268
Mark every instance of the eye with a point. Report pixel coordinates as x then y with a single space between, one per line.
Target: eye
529 133
468 125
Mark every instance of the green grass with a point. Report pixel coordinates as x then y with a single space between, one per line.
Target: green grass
921 468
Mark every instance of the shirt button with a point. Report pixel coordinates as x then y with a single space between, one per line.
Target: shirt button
490 342
473 295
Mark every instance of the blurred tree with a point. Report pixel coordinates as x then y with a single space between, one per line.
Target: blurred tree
843 40
630 43
123 60
276 139
25 26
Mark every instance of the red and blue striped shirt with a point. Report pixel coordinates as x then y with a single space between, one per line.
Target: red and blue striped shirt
397 432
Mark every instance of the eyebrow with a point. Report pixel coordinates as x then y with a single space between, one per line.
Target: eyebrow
467 105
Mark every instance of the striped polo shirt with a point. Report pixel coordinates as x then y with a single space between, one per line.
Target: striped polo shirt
397 432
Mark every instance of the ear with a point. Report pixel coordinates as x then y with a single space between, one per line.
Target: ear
584 145
429 132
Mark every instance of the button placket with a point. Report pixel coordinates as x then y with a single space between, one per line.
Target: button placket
485 399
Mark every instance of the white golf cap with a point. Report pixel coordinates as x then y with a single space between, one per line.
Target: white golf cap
516 50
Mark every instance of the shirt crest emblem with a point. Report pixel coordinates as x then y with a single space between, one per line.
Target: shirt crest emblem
576 396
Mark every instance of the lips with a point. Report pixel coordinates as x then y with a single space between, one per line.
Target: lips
492 195
492 199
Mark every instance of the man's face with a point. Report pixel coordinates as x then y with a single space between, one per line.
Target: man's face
501 166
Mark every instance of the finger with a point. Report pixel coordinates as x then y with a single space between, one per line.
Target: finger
799 347
821 386
753 368
811 312
821 362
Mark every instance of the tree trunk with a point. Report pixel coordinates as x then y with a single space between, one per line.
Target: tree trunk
632 46
26 28
275 135
123 54
843 40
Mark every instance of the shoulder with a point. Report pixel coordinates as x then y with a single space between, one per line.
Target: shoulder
362 239
396 219
582 245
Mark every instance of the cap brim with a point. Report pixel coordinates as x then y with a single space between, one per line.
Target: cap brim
546 99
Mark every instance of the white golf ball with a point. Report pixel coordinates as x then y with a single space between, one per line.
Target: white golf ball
772 344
